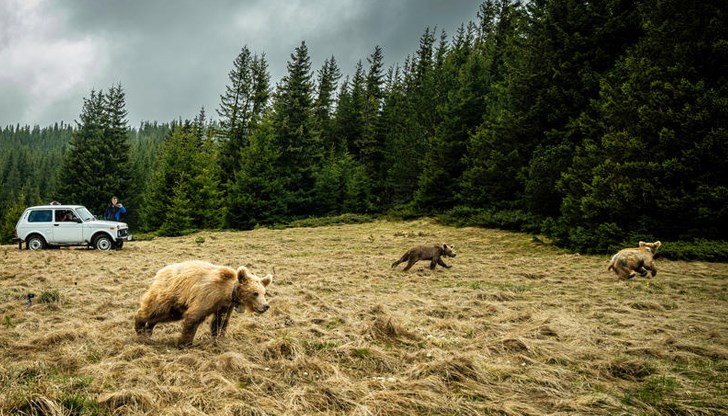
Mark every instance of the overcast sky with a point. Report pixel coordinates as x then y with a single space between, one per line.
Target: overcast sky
172 57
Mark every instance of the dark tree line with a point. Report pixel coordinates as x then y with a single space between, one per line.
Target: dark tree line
594 123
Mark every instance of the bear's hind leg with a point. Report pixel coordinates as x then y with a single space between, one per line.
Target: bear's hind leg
624 273
410 263
189 328
401 260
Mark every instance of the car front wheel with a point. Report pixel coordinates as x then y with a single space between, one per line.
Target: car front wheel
36 242
103 243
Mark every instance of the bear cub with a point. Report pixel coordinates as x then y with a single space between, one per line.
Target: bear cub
432 253
629 261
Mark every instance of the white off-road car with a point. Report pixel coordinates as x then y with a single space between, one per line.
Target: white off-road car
52 226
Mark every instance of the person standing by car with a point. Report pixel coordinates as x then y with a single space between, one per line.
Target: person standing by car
114 210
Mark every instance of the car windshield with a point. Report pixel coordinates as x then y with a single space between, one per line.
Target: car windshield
84 214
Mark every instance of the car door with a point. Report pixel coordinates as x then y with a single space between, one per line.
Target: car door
66 230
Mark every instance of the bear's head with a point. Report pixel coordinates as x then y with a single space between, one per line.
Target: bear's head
448 250
251 291
651 246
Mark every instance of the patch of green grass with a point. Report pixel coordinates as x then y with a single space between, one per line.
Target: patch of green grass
95 355
50 296
475 285
361 353
702 370
655 392
479 285
302 254
144 236
324 345
511 287
80 404
670 306
334 323
30 385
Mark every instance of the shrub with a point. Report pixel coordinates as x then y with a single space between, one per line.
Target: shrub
515 220
706 250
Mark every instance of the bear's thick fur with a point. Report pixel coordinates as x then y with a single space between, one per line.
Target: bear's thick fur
630 260
432 253
193 290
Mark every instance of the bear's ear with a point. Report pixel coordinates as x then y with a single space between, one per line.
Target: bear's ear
642 244
243 274
268 279
657 244
444 246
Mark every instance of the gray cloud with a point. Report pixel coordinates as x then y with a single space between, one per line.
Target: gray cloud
173 57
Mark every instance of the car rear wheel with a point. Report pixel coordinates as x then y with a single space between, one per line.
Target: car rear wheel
103 243
35 242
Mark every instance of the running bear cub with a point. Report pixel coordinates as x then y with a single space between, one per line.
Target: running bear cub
192 291
630 260
433 253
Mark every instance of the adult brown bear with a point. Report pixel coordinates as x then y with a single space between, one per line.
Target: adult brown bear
193 290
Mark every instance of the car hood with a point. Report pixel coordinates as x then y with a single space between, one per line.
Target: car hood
105 224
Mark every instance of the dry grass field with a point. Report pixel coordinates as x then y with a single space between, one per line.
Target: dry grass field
513 328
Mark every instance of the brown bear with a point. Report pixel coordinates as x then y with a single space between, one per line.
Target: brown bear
433 253
630 260
192 290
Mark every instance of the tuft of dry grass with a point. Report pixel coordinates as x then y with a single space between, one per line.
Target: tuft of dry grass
513 328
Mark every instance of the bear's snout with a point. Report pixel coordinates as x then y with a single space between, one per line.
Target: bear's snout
263 308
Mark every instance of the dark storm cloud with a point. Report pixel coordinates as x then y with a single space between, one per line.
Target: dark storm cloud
173 57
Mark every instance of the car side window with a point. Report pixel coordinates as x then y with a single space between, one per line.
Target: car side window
64 215
42 215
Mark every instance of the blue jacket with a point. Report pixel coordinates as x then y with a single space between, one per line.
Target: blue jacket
113 213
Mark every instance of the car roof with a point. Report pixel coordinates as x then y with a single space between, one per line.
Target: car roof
55 206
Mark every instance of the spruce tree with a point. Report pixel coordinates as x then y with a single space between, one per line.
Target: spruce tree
243 104
343 118
241 108
372 138
9 214
258 190
117 145
293 124
464 73
324 106
350 117
403 139
96 162
185 172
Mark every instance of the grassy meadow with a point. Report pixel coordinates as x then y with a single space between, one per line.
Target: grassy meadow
515 327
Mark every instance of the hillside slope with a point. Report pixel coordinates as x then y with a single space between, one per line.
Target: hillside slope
513 328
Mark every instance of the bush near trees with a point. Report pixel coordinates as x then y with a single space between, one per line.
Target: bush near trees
592 124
